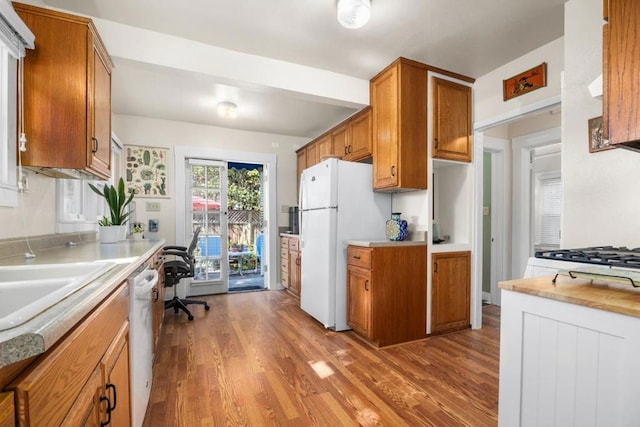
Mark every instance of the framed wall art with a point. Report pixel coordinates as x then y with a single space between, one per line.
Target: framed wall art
525 82
146 170
596 142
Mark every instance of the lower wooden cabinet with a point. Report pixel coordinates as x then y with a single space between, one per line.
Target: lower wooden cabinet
85 376
387 293
290 262
157 298
295 274
450 291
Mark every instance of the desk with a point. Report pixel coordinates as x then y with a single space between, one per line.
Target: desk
239 256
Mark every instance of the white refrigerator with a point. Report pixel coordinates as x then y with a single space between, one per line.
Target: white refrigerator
336 204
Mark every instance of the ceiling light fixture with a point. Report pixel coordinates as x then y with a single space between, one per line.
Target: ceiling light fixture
227 110
354 14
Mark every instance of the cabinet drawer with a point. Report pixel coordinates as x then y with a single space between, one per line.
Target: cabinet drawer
284 243
47 391
284 256
359 257
293 244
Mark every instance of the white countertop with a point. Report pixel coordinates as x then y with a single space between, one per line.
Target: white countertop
386 243
40 333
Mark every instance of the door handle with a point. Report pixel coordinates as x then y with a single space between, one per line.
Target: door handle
393 171
106 399
356 257
435 267
366 285
435 140
95 145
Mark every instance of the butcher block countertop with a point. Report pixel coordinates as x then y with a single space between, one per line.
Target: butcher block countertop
622 299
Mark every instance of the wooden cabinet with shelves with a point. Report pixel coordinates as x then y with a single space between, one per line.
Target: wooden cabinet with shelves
451 120
621 73
399 126
290 264
359 144
67 95
386 293
450 291
295 281
61 384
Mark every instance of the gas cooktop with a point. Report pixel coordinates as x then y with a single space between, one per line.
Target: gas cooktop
603 255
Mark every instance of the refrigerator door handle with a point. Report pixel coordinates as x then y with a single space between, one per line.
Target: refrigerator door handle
300 228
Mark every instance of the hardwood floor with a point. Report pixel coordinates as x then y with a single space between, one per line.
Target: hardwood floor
257 359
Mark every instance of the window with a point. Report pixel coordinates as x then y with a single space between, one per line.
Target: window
548 208
14 37
79 208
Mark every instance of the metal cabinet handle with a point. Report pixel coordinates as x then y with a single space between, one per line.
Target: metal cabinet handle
95 144
366 285
356 257
350 150
156 294
435 140
435 267
115 394
393 171
106 399
346 150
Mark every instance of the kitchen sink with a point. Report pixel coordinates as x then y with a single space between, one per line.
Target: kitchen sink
26 291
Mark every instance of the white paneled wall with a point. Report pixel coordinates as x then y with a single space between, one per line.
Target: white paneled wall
567 365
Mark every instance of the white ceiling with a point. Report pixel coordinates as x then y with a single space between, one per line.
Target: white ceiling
470 37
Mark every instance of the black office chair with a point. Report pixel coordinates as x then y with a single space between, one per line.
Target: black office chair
181 267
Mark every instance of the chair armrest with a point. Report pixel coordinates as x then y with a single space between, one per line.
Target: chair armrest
178 248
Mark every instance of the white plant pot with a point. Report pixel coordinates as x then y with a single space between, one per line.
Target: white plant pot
110 234
138 236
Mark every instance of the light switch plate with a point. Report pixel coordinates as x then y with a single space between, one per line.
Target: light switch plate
485 210
152 206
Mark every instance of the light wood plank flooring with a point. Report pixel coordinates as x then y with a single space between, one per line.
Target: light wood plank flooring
257 359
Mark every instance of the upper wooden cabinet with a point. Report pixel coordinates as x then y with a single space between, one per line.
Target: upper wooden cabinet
399 126
359 132
67 94
451 120
621 73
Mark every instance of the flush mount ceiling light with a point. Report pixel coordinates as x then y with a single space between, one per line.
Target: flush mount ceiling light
227 110
354 13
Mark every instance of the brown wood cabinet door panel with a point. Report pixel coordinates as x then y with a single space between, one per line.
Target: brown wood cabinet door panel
7 410
451 120
623 62
313 155
46 391
360 136
384 98
86 410
451 282
115 377
340 141
359 300
99 138
325 147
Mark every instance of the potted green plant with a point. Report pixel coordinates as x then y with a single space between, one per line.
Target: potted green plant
112 228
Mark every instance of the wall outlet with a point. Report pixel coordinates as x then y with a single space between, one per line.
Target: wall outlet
486 210
152 206
23 182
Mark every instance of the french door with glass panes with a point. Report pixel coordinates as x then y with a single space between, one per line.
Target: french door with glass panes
207 208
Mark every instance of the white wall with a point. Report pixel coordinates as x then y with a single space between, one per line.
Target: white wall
487 90
600 189
164 133
35 213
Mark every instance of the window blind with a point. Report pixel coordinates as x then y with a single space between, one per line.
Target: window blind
548 230
14 34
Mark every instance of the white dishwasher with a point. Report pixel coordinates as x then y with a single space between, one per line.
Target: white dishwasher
141 340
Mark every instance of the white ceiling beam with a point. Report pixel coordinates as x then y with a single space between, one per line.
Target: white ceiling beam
231 67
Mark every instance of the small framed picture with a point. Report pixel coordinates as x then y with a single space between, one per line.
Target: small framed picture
596 142
525 82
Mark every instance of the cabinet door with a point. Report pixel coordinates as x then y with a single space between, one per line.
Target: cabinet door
115 371
621 68
451 120
87 409
99 140
325 146
340 138
384 99
313 155
359 300
7 410
450 291
360 136
284 262
294 271
302 162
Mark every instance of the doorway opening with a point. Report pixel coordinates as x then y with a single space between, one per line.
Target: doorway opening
227 203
